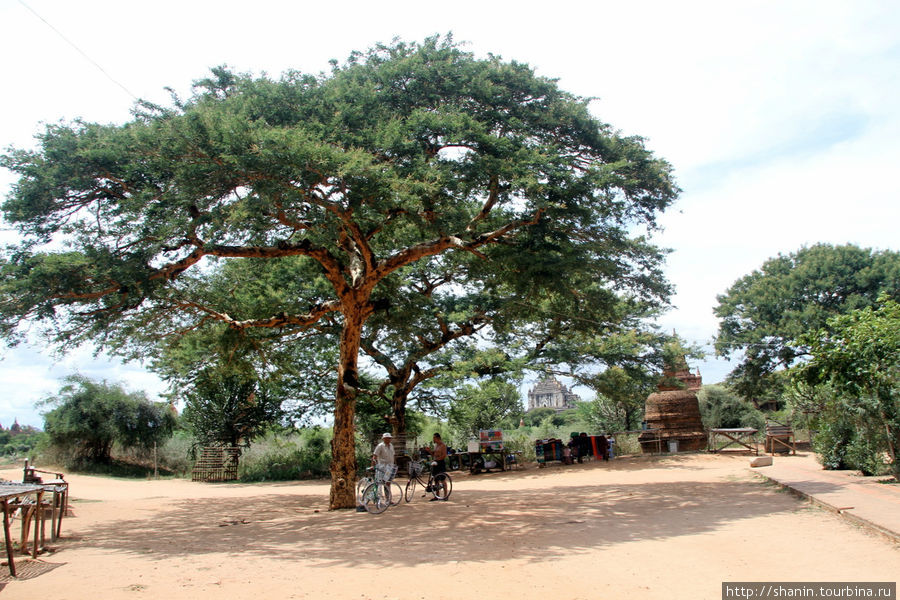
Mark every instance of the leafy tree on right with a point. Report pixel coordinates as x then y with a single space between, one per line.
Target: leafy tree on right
859 355
764 315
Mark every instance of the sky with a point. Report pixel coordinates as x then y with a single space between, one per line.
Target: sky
781 119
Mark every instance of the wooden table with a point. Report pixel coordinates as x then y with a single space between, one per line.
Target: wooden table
742 436
11 495
60 490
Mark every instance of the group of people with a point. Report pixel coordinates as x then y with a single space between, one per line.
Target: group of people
579 447
384 455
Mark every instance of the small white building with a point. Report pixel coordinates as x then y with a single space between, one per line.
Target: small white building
550 393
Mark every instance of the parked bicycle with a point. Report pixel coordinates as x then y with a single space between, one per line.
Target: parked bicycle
369 478
440 485
377 490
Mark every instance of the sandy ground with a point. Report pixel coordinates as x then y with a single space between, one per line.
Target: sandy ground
643 527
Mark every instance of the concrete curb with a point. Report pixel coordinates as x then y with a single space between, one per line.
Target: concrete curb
893 536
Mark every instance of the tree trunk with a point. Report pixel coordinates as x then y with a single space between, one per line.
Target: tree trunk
398 413
893 439
631 413
343 443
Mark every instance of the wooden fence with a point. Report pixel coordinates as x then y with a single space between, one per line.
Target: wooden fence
216 463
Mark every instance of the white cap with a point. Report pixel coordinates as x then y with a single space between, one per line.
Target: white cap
386 435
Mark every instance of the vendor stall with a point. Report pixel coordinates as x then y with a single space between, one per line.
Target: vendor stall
490 454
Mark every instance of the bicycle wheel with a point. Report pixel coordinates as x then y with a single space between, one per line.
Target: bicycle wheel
361 487
377 498
410 489
396 493
442 486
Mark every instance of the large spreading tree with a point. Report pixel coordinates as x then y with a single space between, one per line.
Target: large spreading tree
764 315
405 154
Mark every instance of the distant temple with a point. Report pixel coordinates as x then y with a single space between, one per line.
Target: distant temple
550 393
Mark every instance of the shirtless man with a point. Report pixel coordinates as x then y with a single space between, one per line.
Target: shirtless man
439 456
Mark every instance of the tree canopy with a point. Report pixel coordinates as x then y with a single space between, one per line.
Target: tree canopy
859 355
764 314
408 153
229 408
88 417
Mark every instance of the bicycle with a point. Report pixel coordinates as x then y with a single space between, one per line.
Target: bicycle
380 491
440 485
369 478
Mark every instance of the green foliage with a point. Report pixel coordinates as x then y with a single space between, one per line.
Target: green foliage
373 418
846 441
722 408
621 393
536 416
765 314
859 356
407 154
806 403
516 440
627 444
298 371
602 415
485 405
175 455
90 417
304 454
830 444
431 425
19 441
229 408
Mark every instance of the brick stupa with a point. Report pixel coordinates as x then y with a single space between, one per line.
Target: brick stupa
673 413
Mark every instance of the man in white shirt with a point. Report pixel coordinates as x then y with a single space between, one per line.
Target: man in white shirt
384 452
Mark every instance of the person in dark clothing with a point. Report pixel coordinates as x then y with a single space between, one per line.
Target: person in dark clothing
584 446
603 447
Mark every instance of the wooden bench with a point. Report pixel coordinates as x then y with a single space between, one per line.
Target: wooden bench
30 474
56 508
779 438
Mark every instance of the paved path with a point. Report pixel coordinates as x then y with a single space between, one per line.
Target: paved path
863 500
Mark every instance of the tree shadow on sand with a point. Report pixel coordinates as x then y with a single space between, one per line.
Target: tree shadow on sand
529 524
26 569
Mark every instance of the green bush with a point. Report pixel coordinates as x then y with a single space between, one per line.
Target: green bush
627 443
847 440
91 417
25 443
832 442
305 454
518 440
722 408
866 453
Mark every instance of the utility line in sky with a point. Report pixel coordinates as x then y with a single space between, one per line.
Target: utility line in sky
79 50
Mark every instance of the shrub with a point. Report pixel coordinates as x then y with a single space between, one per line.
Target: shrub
89 418
832 441
305 454
721 408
